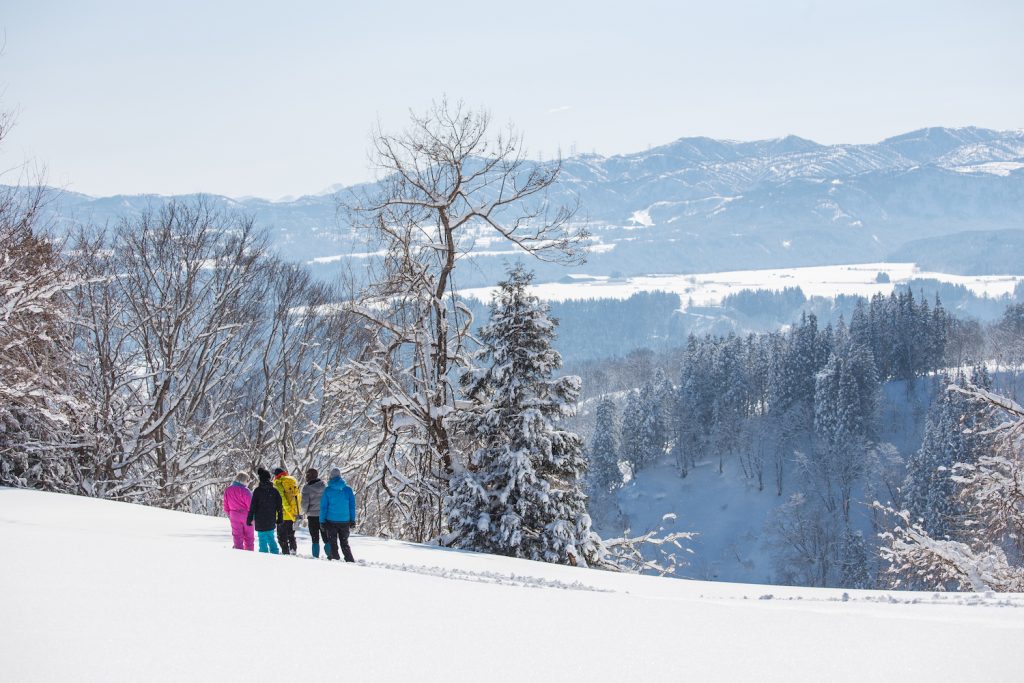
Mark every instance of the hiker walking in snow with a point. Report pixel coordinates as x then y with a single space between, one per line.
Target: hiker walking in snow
337 516
311 494
237 499
265 512
288 488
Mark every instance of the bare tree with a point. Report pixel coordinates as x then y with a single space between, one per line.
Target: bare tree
40 407
447 184
106 362
169 317
291 409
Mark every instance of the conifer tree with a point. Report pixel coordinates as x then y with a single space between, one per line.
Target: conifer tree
638 428
853 562
662 398
522 493
930 492
604 473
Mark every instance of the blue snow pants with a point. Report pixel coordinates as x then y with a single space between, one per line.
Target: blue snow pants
268 544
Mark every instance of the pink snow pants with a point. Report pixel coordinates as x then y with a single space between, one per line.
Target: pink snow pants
241 532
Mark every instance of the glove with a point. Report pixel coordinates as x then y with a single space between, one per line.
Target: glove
304 523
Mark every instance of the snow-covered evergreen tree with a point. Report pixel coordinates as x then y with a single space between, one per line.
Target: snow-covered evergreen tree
854 571
662 399
647 421
522 492
929 491
845 398
693 404
639 438
604 474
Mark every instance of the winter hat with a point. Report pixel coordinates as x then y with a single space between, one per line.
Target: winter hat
242 478
335 473
311 473
263 474
279 470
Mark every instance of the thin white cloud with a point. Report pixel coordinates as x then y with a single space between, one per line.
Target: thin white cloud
556 110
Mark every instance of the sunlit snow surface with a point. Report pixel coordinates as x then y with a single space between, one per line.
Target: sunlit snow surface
102 591
708 289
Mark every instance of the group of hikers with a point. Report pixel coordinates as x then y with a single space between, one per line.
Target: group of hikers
276 504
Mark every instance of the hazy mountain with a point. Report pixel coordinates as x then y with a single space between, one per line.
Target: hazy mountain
699 204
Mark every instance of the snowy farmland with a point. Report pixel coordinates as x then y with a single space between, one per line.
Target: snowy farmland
105 591
709 289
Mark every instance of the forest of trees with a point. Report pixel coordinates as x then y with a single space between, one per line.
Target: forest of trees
797 413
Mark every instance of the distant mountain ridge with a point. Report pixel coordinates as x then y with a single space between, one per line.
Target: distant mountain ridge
701 205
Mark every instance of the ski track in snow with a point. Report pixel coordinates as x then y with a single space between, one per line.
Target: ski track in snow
524 581
989 599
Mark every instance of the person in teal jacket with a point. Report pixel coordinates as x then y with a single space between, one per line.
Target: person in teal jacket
337 516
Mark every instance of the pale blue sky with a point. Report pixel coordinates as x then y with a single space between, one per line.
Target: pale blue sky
273 98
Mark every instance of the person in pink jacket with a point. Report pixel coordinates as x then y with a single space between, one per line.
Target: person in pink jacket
237 498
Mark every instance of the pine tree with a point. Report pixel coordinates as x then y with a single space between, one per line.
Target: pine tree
930 493
604 473
845 399
693 405
638 428
522 493
728 404
853 562
662 398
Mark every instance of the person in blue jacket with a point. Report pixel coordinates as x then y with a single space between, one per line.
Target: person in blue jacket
337 516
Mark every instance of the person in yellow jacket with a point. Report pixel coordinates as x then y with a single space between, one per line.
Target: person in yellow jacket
291 500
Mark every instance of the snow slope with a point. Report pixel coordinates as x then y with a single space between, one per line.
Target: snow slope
97 590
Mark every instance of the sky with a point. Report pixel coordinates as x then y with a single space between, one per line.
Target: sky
276 99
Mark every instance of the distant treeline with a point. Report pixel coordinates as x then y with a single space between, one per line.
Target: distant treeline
613 328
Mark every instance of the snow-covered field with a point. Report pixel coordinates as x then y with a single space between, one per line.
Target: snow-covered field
103 591
708 289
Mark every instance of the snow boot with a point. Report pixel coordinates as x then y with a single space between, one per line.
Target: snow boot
316 550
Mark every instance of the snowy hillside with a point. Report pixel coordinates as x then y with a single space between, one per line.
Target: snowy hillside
103 591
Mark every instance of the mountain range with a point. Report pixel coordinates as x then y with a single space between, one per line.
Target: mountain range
950 199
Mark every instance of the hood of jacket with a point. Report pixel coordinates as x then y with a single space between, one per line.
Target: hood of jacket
338 504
